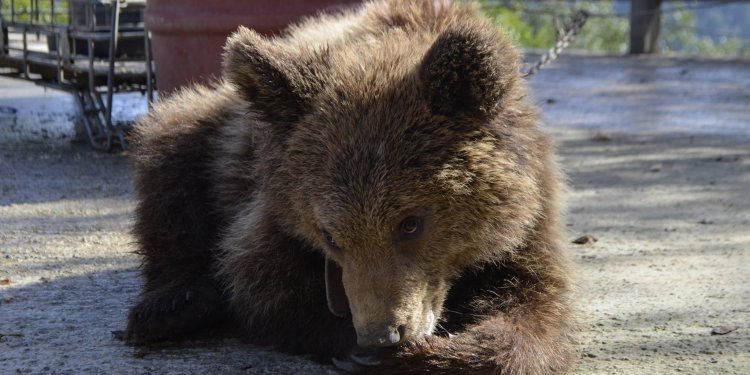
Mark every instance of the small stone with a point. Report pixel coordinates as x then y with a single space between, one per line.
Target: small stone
118 335
722 330
655 168
601 137
586 239
11 334
713 360
727 158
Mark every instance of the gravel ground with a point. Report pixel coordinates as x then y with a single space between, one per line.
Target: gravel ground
670 210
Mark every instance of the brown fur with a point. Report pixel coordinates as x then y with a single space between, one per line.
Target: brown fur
348 124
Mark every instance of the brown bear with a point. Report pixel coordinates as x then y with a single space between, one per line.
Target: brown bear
371 187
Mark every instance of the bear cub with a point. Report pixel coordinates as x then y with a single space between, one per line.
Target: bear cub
371 187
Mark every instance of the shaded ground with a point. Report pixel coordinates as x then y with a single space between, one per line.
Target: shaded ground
671 212
672 215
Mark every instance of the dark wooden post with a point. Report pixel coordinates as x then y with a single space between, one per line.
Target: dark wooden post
645 19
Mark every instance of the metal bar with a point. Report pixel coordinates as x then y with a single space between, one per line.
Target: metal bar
91 74
112 55
100 36
25 54
3 34
90 16
101 116
58 72
81 96
149 71
34 18
102 130
645 20
64 41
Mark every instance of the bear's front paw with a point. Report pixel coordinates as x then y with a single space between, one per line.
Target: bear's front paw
166 314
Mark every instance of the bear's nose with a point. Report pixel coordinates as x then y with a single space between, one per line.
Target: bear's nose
379 338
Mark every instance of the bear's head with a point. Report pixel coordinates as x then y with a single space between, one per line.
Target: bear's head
407 158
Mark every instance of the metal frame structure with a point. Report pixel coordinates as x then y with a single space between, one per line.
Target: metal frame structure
71 61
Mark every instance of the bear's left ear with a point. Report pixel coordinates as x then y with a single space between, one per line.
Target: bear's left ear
277 82
467 71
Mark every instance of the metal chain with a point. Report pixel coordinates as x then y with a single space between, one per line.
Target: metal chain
563 40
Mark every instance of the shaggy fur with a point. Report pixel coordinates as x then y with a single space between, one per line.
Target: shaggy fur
319 145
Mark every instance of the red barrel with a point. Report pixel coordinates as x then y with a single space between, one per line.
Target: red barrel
188 35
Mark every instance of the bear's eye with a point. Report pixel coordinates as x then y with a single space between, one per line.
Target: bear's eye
411 227
328 238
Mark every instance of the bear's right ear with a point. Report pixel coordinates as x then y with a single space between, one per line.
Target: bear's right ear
276 82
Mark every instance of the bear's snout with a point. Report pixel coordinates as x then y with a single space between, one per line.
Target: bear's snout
390 304
383 336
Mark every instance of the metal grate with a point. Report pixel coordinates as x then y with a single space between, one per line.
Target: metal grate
91 48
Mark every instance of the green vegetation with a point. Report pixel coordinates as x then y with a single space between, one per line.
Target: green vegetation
681 33
38 12
535 24
538 28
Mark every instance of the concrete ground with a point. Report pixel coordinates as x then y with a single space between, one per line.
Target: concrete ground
48 117
658 157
